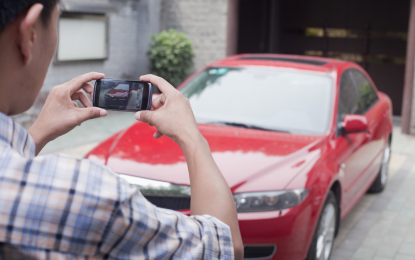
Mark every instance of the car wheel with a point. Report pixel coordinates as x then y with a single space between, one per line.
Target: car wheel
380 181
323 240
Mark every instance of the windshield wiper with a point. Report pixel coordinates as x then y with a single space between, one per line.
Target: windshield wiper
249 126
252 127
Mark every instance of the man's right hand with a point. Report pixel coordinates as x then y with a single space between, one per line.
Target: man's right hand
170 113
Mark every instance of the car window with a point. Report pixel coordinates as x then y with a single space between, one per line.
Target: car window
122 87
272 98
366 91
349 101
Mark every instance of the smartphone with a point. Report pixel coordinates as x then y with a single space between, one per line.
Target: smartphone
123 95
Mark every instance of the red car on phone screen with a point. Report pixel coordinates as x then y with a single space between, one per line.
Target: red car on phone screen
118 96
298 139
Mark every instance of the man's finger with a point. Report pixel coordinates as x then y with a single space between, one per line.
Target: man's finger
161 83
157 134
78 82
88 88
154 99
158 102
81 96
145 116
90 113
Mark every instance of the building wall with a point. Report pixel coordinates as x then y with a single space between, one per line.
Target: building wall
129 31
203 21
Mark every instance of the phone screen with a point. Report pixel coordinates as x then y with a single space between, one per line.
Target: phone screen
123 95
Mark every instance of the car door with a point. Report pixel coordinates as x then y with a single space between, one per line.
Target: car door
370 154
348 147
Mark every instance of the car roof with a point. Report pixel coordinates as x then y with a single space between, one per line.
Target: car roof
310 63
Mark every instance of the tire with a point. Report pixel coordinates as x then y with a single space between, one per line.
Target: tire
323 239
382 178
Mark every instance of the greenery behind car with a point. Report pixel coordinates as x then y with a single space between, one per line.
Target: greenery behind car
171 56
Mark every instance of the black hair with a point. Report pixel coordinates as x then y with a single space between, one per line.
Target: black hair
10 9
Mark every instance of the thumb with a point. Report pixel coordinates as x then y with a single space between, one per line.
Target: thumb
91 113
145 116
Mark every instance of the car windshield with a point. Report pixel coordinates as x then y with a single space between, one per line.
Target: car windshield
262 98
122 87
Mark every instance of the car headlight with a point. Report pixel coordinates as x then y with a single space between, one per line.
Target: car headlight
158 188
269 200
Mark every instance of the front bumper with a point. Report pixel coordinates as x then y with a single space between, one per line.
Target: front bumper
116 102
289 230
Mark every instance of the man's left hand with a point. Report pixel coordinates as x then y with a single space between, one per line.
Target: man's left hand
61 114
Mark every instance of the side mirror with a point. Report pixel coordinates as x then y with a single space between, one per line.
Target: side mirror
354 124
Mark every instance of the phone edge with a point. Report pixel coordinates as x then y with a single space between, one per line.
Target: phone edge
150 96
94 94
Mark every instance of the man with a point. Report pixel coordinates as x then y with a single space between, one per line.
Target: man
58 207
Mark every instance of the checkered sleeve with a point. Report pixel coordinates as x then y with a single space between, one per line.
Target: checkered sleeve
56 205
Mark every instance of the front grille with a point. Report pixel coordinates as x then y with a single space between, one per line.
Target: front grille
171 202
259 251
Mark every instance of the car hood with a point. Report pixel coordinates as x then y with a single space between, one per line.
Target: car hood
117 92
250 160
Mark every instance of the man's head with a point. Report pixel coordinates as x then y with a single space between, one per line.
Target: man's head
28 40
10 9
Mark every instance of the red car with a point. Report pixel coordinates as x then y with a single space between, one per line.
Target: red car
118 96
299 140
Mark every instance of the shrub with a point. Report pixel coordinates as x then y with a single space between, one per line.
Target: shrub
171 56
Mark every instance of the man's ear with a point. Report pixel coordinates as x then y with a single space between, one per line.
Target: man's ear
27 32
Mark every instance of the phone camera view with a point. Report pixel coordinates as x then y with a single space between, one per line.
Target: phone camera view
121 95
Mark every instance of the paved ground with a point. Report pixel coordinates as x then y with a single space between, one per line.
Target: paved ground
380 227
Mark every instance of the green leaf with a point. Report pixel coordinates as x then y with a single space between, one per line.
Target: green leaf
171 56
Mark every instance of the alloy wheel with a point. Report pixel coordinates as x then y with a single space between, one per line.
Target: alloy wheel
326 232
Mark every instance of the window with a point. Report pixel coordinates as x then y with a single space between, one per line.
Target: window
122 87
271 98
349 101
82 37
366 91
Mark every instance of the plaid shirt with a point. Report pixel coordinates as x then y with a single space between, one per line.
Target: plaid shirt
58 207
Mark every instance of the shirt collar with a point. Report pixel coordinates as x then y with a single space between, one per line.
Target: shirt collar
15 136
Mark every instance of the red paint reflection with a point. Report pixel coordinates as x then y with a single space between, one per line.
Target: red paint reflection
138 144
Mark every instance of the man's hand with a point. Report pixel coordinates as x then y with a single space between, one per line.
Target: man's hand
61 114
170 113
